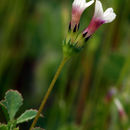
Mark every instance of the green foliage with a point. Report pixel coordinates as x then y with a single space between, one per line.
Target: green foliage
13 101
10 105
3 127
26 116
4 109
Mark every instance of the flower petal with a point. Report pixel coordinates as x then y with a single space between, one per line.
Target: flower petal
82 4
109 15
75 3
89 3
98 9
108 11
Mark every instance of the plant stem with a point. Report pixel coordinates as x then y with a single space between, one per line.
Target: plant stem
48 92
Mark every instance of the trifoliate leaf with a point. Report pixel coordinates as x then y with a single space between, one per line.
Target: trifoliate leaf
13 101
26 116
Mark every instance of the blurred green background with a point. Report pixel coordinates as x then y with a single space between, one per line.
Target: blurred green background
31 35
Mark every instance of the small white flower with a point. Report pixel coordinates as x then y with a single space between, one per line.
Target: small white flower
78 8
99 18
107 16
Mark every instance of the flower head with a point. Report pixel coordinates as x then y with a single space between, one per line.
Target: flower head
99 18
75 41
78 8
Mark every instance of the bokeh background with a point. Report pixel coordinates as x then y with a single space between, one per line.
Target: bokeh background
31 35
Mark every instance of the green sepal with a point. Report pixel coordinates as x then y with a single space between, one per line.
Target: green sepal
70 49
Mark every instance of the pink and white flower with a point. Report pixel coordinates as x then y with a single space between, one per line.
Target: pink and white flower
99 18
120 108
78 8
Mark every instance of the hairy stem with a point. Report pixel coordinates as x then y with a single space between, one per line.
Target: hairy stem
48 92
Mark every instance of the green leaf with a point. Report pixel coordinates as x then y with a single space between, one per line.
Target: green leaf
38 128
4 103
3 127
4 109
13 100
26 116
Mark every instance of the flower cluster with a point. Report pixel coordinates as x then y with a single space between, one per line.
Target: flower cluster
75 41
